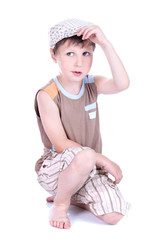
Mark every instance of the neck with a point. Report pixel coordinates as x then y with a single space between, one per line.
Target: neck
72 87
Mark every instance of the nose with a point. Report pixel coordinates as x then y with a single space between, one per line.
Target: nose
78 61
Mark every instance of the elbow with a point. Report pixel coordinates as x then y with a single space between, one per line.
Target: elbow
125 85
59 148
63 144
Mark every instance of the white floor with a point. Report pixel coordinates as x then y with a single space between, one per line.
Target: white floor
29 220
134 226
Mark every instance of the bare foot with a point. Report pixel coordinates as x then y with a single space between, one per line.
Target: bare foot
58 217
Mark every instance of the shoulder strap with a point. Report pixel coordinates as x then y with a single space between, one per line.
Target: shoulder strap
89 79
52 89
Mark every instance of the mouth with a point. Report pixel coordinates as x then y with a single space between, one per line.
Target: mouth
77 73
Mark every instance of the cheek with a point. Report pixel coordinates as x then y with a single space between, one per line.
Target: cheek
89 63
63 65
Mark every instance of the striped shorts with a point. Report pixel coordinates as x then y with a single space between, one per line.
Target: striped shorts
98 192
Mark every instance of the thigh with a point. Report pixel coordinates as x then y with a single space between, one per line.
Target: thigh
53 165
101 195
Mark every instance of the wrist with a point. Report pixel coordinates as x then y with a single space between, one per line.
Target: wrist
100 160
106 46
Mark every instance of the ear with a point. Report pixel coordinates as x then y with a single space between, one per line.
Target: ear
53 55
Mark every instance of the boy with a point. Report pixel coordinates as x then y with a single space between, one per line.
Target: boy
72 168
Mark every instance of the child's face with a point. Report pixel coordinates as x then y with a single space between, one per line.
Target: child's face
74 61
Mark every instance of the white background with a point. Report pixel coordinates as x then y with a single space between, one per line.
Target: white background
129 120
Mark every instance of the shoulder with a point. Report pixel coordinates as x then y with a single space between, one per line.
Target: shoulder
45 96
100 82
89 79
51 89
45 104
90 85
105 85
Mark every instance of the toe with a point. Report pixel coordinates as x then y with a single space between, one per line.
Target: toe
61 225
67 225
55 224
52 223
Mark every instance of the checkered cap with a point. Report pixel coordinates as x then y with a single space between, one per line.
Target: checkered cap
65 29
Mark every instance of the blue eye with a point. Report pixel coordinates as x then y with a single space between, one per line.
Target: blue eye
86 54
70 54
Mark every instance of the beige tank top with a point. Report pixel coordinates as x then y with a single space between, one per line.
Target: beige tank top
78 113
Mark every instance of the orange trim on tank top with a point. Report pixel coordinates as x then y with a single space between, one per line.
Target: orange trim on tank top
52 90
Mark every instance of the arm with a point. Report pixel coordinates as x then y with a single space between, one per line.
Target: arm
120 80
52 123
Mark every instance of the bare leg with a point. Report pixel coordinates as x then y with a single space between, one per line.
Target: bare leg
69 182
81 205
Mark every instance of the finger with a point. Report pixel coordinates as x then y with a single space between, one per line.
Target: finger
118 179
81 30
84 31
89 33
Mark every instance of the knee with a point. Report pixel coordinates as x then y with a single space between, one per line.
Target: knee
112 218
85 159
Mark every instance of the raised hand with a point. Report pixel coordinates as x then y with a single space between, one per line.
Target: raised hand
94 33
